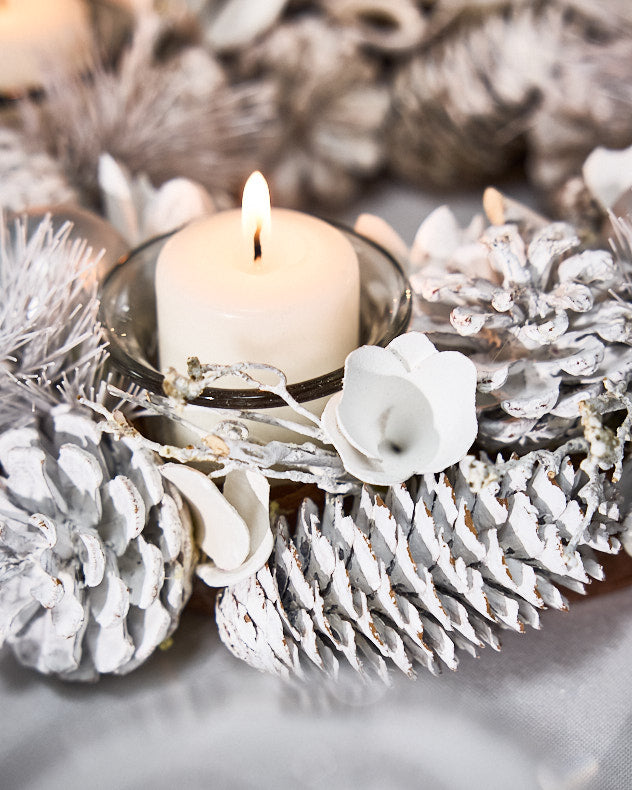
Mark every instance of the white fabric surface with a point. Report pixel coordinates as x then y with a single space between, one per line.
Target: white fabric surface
552 710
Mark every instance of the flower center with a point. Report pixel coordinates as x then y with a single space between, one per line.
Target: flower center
396 433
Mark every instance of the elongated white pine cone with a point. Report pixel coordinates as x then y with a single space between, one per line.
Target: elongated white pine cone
96 552
410 580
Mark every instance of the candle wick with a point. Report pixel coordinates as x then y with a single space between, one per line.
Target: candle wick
258 243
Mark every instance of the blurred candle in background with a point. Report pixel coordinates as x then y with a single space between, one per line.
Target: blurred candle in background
40 36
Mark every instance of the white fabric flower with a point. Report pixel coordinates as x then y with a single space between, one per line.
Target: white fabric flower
233 526
405 409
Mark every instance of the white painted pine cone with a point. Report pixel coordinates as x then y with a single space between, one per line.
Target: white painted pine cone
411 579
387 25
96 551
333 107
235 24
544 329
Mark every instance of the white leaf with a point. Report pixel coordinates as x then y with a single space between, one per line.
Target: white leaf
222 532
116 188
240 21
249 492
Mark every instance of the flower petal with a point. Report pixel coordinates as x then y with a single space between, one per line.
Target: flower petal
412 348
355 462
372 359
403 410
372 375
448 380
218 577
222 532
249 493
389 416
396 424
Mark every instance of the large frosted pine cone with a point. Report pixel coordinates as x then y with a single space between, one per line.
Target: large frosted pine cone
332 106
541 318
545 80
410 579
96 551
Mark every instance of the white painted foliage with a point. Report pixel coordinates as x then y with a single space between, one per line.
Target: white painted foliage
233 525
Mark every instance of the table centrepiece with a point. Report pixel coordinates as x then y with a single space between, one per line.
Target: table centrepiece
469 468
418 549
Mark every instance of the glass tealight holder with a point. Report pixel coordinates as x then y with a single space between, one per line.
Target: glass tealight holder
128 313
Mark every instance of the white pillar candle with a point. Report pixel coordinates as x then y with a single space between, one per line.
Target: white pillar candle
37 35
250 286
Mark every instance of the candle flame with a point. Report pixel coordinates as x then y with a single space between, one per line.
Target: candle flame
255 212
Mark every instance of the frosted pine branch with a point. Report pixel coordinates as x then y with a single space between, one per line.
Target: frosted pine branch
51 344
230 446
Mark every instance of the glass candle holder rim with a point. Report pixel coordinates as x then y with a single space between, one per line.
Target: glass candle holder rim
325 385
